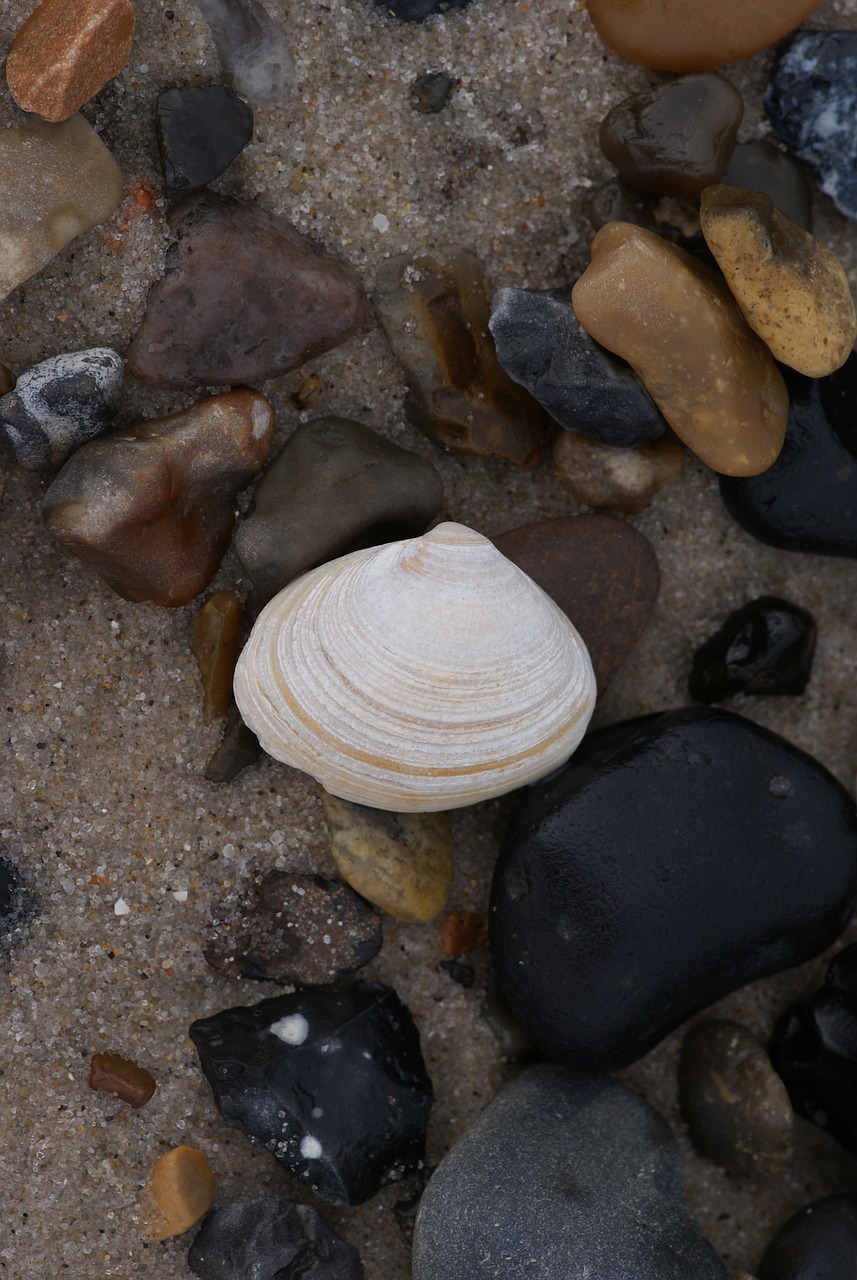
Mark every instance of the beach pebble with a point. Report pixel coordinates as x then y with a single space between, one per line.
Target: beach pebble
430 93
610 924
680 329
66 51
811 101
179 1192
253 49
818 1243
601 475
17 906
57 181
295 929
434 309
735 1105
601 571
277 1070
761 166
216 645
766 646
296 301
562 1175
419 10
239 749
60 404
111 1073
401 862
542 345
675 138
152 508
668 216
7 380
513 1042
271 1239
792 290
461 932
201 129
336 485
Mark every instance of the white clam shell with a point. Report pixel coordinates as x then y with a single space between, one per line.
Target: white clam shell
419 675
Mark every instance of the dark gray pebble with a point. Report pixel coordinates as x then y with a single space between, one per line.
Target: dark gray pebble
201 129
818 1243
760 166
271 1239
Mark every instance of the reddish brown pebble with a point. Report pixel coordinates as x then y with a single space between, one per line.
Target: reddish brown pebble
601 475
462 932
7 380
180 1191
111 1073
215 646
66 51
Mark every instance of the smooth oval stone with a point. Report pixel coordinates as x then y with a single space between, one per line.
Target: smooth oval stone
336 486
818 1243
152 508
767 646
201 129
807 499
760 166
735 1105
216 646
673 860
680 329
792 290
600 475
675 138
253 49
562 1175
244 297
693 35
811 101
542 345
601 571
271 1239
57 181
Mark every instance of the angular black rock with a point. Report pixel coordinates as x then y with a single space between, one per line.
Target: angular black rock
765 647
431 93
271 1239
562 1176
818 1243
419 10
814 1049
811 101
542 345
760 166
338 1093
674 859
807 500
17 905
201 129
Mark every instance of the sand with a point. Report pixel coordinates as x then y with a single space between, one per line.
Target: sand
102 790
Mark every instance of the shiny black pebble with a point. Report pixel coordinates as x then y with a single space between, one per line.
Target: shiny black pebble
201 129
271 1239
765 647
818 1243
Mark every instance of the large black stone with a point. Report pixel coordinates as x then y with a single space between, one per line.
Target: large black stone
674 859
765 647
338 1093
818 1243
271 1239
201 129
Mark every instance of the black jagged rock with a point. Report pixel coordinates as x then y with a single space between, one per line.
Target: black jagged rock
271 1239
201 129
765 647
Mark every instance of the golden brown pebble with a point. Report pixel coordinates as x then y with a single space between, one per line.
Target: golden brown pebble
111 1073
215 646
602 475
680 329
792 290
179 1192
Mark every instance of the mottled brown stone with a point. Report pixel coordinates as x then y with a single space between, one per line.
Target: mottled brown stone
678 326
792 290
601 475
462 932
179 1192
66 51
601 572
152 508
215 645
111 1073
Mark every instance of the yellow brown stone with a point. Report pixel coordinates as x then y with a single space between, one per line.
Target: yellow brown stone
606 477
678 326
215 645
792 290
180 1191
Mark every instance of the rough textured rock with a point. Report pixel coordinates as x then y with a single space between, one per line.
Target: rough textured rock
761 166
201 129
57 181
253 50
818 1243
680 329
296 301
610 926
767 646
430 93
152 508
562 1175
216 645
600 475
271 1239
276 1070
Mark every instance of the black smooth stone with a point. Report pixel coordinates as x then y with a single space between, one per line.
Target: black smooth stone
431 93
419 10
760 166
339 1093
807 501
814 1050
17 906
765 647
672 861
271 1239
811 101
201 129
818 1243
542 345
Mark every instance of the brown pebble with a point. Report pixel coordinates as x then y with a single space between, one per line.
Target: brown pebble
601 475
215 645
601 571
7 380
792 290
239 749
678 326
462 932
180 1191
308 393
66 51
111 1073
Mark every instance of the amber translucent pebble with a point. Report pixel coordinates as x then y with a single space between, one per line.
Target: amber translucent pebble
111 1073
215 646
694 35
680 329
179 1192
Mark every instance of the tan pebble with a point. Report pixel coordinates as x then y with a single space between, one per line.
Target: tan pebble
215 645
179 1192
66 51
601 475
400 862
679 327
792 291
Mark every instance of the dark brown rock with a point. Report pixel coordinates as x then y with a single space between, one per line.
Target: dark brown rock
462 932
111 1073
244 297
215 645
7 380
601 571
239 748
